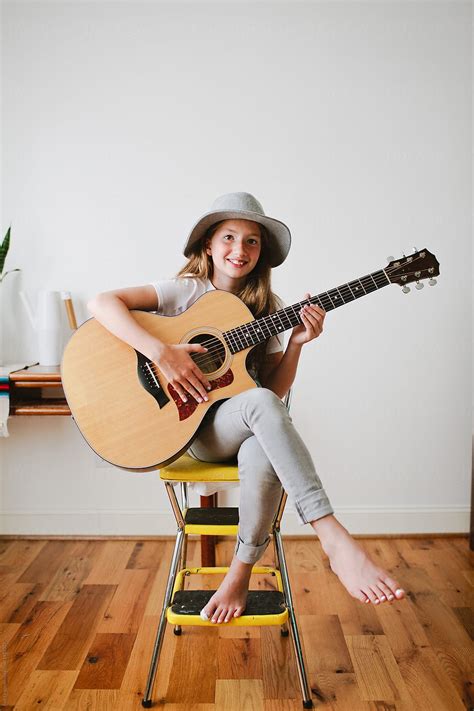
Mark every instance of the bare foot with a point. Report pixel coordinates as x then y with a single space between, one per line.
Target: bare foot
357 572
230 598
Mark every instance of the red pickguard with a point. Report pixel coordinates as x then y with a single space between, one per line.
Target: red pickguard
186 409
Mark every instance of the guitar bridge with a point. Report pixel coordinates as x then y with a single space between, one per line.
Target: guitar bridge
149 380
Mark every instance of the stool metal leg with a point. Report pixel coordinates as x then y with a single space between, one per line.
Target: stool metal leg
177 628
184 507
175 560
276 525
300 664
146 701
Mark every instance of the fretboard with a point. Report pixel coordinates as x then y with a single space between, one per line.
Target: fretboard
259 330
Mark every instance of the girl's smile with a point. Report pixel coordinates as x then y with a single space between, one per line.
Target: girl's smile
235 249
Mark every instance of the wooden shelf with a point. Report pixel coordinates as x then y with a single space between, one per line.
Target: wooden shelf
37 374
27 396
49 406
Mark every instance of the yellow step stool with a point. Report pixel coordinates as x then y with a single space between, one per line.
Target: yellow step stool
182 606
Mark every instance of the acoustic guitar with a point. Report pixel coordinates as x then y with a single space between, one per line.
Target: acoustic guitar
123 405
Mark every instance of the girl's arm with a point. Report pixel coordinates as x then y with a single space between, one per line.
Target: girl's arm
279 370
112 310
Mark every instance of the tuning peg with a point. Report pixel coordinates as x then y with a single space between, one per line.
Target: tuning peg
406 289
432 282
390 259
415 249
419 285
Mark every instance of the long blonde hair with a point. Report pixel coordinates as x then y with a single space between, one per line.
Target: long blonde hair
256 293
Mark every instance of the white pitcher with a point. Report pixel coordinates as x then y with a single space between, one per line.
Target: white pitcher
47 324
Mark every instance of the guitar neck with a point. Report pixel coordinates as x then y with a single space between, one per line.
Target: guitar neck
259 330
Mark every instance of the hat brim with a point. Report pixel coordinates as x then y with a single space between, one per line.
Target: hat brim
278 232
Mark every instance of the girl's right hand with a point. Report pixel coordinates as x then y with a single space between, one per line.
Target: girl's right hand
181 371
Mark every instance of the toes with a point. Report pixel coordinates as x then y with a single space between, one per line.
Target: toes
391 584
208 611
230 614
238 611
395 588
385 591
372 597
217 614
382 596
222 615
377 595
359 595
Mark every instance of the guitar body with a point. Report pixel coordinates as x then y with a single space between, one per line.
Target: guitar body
127 412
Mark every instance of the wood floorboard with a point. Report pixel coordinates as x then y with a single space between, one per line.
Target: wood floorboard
23 654
78 620
105 662
71 641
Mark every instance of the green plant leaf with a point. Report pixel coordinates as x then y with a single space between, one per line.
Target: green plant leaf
4 249
2 276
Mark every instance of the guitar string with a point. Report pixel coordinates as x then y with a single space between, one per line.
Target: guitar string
216 347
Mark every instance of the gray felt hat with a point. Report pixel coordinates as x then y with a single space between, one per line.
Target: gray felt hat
243 206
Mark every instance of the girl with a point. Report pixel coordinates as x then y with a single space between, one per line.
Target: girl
233 247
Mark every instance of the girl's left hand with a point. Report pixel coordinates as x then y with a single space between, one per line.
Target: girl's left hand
312 326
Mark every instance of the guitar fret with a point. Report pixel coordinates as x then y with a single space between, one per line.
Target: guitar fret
382 277
347 295
368 284
294 318
238 337
257 334
326 306
279 326
358 289
318 302
335 297
285 314
264 323
245 335
327 294
230 341
350 289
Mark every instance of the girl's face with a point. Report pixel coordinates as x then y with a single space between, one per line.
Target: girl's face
235 248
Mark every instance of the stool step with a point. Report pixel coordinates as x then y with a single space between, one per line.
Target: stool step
216 516
259 602
264 607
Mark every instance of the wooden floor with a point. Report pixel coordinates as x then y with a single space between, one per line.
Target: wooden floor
78 620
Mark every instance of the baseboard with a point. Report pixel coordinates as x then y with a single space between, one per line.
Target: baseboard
371 520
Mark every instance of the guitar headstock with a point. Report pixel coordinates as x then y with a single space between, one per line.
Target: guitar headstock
415 267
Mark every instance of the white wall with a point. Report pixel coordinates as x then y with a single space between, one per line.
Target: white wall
350 122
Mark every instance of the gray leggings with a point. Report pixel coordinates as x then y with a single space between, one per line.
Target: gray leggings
256 427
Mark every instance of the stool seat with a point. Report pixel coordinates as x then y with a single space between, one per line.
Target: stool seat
186 468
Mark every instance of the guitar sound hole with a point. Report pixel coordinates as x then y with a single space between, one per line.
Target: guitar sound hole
214 358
